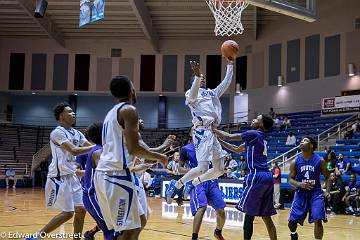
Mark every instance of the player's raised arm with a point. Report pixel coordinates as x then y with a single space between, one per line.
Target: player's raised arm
128 116
167 143
292 181
224 85
231 147
227 136
196 83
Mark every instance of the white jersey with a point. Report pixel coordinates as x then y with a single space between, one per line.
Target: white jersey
115 155
206 108
63 163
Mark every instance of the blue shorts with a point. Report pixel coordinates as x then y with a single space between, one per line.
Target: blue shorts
93 208
257 198
308 201
204 194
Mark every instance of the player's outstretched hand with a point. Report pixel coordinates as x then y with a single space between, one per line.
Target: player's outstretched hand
144 166
170 140
220 134
230 60
306 186
196 68
163 160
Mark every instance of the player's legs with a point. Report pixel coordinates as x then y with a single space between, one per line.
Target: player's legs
220 222
318 230
197 222
132 234
202 168
216 171
248 226
292 227
57 221
79 217
270 227
215 200
7 182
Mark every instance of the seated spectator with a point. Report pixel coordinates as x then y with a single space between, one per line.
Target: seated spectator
10 175
349 134
146 180
242 164
232 163
285 124
291 140
355 166
336 191
356 126
229 173
243 174
342 166
352 196
277 122
330 159
272 113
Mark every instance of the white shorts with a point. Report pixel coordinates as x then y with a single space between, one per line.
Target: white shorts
207 145
142 197
64 194
118 199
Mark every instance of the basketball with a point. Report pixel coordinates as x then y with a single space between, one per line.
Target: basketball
230 49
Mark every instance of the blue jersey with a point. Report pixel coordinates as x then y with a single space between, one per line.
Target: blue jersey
256 150
188 155
309 170
354 187
87 180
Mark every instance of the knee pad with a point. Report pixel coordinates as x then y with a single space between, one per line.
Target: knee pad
292 226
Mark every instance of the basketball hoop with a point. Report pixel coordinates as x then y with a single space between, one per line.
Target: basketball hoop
227 14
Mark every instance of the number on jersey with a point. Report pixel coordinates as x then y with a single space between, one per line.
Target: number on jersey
307 176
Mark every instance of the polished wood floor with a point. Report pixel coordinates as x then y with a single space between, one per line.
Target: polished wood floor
22 210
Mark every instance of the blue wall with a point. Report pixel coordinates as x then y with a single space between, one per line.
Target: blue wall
38 110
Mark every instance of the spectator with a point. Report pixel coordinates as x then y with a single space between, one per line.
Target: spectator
272 113
43 171
146 180
291 140
10 175
356 126
342 166
242 164
277 122
336 191
232 163
230 174
351 197
285 124
243 175
330 159
349 134
276 172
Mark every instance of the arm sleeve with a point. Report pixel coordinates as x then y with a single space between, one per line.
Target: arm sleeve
58 137
224 85
192 94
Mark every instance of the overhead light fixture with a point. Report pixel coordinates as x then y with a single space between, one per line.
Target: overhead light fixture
280 81
33 93
75 94
351 70
238 89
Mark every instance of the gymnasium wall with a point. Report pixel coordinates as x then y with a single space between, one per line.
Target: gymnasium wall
281 47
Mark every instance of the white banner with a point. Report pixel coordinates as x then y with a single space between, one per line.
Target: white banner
230 191
339 105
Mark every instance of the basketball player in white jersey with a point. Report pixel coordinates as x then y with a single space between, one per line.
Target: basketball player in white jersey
114 183
206 109
63 189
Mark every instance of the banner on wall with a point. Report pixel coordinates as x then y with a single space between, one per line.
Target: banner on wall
85 14
231 191
340 105
97 10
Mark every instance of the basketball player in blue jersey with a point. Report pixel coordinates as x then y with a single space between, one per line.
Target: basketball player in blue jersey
206 110
63 188
114 183
206 193
309 198
257 198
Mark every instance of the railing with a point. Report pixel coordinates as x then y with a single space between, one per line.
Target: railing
334 130
285 158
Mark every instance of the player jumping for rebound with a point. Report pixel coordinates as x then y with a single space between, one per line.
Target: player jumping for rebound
305 177
206 109
257 198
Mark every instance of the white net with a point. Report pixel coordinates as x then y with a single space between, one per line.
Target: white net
227 16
